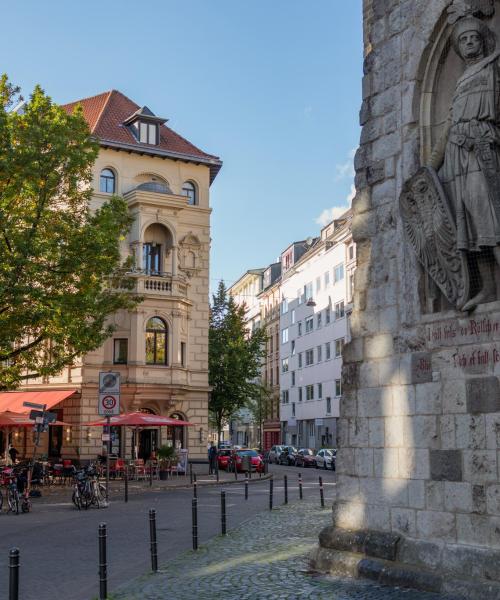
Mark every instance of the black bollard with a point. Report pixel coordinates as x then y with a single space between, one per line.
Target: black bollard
246 487
223 512
14 574
194 478
285 481
195 523
126 483
152 540
300 486
103 566
191 473
195 490
270 494
321 493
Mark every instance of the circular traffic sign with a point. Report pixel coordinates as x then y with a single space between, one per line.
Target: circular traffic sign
109 402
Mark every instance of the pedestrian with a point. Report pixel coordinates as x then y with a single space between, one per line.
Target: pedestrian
13 452
212 458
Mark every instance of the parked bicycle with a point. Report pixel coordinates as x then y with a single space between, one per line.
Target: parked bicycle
15 481
87 489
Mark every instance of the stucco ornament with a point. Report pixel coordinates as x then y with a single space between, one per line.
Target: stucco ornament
451 207
189 255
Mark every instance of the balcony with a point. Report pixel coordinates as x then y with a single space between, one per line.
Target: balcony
158 284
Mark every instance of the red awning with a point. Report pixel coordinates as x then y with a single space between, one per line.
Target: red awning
11 419
139 419
13 401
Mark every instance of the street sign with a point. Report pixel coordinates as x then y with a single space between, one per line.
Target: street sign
106 437
49 417
109 404
109 382
33 405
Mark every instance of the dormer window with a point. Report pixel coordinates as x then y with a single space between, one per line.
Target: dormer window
145 126
148 133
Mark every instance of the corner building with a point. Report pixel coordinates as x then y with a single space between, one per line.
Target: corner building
160 348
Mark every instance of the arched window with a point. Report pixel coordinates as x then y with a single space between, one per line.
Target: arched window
107 181
189 190
156 342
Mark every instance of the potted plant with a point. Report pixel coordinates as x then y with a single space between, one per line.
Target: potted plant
166 456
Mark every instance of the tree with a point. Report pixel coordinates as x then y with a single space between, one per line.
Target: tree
261 407
61 275
234 358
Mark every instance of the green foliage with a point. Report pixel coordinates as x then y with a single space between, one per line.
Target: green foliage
61 274
234 358
166 452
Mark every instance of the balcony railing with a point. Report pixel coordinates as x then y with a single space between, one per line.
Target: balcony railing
158 284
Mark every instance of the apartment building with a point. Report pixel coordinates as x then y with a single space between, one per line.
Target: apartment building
243 428
160 348
315 294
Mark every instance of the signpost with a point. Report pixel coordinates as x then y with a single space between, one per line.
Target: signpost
41 420
109 405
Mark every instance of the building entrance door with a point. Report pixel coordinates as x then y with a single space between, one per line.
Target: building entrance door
148 442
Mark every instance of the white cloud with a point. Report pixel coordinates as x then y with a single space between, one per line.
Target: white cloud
336 211
344 170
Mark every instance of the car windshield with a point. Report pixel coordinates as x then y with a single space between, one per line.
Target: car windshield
307 452
292 450
224 452
247 453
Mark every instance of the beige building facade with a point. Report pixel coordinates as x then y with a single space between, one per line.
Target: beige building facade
161 347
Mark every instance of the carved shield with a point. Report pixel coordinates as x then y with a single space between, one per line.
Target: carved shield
431 231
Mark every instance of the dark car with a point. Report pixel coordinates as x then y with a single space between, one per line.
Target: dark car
305 458
287 456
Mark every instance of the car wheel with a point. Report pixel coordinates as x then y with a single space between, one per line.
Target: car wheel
324 465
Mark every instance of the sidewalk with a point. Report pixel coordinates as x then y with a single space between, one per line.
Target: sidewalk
264 559
56 493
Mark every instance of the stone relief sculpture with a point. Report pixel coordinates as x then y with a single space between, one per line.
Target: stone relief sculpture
189 255
451 207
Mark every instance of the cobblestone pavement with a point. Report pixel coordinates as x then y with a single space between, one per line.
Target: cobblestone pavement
265 558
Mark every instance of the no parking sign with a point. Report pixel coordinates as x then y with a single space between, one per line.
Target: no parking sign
109 393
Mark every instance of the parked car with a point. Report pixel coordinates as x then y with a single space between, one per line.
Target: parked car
256 462
224 458
274 454
325 458
305 458
287 456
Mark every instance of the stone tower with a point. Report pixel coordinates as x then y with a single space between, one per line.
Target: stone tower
418 494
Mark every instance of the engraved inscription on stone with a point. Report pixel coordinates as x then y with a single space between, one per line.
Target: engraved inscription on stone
421 367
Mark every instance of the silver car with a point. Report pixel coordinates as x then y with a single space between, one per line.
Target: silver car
325 458
274 453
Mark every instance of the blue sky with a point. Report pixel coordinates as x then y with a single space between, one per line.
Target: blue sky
273 87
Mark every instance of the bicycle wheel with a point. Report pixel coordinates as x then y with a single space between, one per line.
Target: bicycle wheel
13 501
76 499
25 505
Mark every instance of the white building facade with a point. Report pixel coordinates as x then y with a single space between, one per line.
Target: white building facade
316 292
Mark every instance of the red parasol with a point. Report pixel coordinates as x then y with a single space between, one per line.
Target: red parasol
139 419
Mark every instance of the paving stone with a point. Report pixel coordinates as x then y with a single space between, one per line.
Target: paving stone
265 558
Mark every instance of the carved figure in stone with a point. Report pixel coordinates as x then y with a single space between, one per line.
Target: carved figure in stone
458 216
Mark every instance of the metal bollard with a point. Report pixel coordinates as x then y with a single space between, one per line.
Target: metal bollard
300 486
14 574
103 566
126 483
321 493
223 512
194 511
191 473
246 487
285 481
195 490
270 494
152 540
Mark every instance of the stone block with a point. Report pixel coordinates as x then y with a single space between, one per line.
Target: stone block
473 529
347 487
434 495
447 431
403 520
344 462
480 466
446 465
394 432
379 346
403 400
364 462
436 525
423 432
421 367
381 545
458 496
471 590
376 433
405 577
478 563
358 432
470 431
492 431
416 493
493 499
386 462
428 398
479 499
414 463
482 395
420 553
378 517
454 396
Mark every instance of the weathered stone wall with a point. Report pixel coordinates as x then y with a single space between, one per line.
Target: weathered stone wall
419 434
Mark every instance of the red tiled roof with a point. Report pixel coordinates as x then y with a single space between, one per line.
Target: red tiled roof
105 114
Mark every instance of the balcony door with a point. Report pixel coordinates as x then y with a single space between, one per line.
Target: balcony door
152 258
